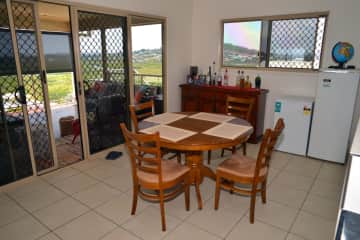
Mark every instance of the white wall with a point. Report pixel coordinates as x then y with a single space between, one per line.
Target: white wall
178 14
343 22
194 37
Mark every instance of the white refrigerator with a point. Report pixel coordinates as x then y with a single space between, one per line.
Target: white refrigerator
333 113
296 112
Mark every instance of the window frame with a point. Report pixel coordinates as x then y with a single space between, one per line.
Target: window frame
268 39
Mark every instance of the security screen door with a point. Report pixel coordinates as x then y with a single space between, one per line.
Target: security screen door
34 79
15 160
101 40
26 140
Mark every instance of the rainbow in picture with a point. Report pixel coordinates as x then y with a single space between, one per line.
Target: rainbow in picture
242 43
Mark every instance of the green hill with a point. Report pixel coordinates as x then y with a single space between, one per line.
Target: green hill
238 49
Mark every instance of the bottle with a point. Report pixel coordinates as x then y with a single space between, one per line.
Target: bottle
208 78
247 82
219 79
226 77
214 79
258 81
242 80
238 79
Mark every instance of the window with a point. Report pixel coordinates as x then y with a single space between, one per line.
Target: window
293 42
242 43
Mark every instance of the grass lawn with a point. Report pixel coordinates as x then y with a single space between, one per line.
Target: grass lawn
60 87
151 67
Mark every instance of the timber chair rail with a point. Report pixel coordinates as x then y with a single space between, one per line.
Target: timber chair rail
241 108
152 173
141 111
248 171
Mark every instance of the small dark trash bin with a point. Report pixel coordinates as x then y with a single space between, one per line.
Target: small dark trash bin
66 126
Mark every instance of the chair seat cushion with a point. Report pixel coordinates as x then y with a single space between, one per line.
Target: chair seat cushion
240 166
171 170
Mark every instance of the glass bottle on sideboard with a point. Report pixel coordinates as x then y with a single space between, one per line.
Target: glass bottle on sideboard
242 80
226 78
238 79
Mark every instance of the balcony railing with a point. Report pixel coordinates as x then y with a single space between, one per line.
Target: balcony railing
148 79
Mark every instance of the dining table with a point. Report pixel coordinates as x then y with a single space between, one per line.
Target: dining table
193 133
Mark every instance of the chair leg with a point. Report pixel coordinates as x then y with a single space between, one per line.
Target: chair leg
217 192
74 138
187 194
163 153
135 198
233 149
162 210
263 192
209 156
252 203
244 148
222 152
178 157
197 188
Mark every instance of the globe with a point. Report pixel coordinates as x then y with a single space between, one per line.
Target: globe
342 52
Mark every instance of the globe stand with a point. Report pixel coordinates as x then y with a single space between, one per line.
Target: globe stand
339 66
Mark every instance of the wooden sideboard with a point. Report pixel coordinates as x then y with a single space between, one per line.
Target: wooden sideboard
195 98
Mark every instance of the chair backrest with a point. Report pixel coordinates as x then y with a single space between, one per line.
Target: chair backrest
240 107
140 111
144 151
267 146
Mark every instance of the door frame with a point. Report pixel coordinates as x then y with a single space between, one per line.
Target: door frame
45 89
163 22
21 83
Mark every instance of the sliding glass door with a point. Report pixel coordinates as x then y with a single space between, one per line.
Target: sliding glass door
56 38
33 76
15 158
39 116
64 85
103 60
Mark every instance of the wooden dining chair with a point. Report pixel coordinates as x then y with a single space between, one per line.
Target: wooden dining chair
241 108
150 172
141 111
248 171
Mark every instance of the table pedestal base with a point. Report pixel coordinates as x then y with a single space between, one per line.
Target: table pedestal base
194 161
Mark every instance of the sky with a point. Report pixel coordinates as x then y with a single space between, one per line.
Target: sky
244 34
146 37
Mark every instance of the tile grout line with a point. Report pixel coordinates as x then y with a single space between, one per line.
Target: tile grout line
67 195
93 209
181 222
38 220
302 205
247 211
31 215
245 215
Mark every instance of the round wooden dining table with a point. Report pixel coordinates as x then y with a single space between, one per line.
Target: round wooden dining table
194 145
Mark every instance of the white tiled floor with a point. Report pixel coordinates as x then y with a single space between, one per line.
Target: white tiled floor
92 200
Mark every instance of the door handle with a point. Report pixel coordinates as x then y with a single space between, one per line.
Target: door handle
20 95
